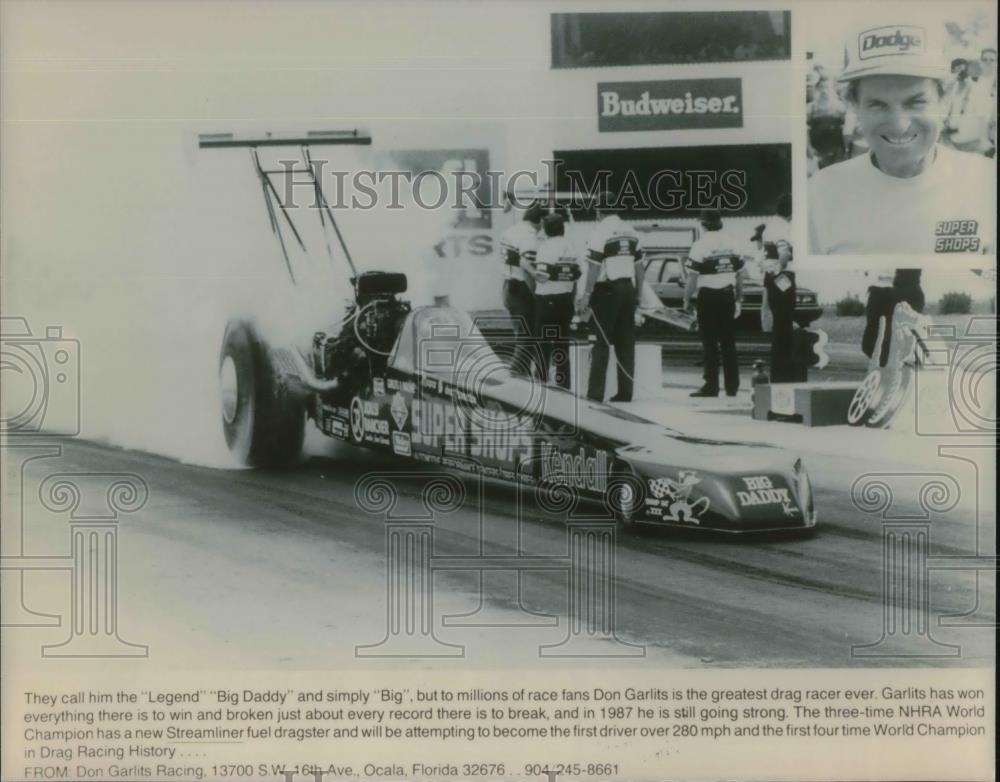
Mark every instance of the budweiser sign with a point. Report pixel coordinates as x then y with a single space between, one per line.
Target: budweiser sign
679 104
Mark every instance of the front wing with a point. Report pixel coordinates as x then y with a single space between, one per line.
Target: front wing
745 502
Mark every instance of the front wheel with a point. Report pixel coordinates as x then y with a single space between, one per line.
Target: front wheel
263 422
866 398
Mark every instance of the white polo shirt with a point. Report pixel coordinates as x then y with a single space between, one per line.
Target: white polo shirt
854 208
518 245
615 245
557 258
779 233
714 257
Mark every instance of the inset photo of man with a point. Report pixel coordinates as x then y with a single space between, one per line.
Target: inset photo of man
901 117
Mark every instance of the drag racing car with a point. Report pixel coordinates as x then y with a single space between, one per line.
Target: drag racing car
423 384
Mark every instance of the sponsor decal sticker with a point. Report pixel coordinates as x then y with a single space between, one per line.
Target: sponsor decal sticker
400 411
957 236
406 386
429 384
760 490
456 392
460 463
503 437
335 427
366 423
678 104
401 443
575 468
357 421
885 41
378 386
376 428
671 499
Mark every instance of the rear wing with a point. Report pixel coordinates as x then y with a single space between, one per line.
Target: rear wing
311 137
271 199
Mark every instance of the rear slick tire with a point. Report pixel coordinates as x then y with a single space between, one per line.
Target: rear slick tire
263 422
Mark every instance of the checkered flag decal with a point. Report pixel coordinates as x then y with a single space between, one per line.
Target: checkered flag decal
660 488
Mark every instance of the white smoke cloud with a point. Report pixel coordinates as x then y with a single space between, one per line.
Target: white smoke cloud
144 265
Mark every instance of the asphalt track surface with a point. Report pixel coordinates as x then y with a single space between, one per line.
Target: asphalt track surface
282 568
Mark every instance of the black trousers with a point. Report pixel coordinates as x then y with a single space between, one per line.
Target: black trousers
882 300
613 303
716 308
519 301
784 367
553 315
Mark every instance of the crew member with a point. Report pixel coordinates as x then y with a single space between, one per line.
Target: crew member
888 290
518 245
774 245
825 120
909 194
714 271
614 279
556 271
973 112
988 61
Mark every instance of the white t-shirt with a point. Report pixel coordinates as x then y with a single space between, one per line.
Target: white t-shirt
556 257
615 245
716 259
518 245
854 208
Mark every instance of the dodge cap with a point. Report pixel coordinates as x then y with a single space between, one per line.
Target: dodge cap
903 46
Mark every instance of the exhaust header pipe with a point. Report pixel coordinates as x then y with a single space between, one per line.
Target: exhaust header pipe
292 362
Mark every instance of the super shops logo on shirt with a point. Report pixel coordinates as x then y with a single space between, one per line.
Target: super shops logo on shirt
957 236
885 41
